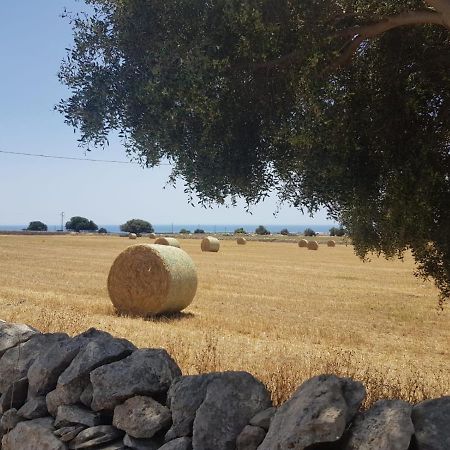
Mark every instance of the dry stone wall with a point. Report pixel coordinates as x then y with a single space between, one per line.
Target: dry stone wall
95 391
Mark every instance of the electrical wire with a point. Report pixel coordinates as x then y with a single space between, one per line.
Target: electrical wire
73 158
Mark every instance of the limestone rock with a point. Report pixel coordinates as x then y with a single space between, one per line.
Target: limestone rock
15 396
93 436
12 334
385 426
74 380
141 444
263 418
214 408
66 434
144 372
34 408
32 435
185 396
9 420
183 443
318 412
45 370
72 415
250 437
16 361
141 417
431 420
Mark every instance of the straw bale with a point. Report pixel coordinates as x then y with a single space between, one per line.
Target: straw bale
303 243
132 236
331 243
167 241
313 245
241 240
148 279
210 244
151 235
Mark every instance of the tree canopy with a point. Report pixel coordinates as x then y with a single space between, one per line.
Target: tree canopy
137 226
37 225
337 104
78 223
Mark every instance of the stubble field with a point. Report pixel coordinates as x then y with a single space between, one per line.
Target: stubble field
273 309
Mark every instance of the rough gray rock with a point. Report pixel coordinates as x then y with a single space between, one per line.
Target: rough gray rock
185 396
15 396
141 417
9 420
93 436
74 380
250 437
66 434
318 412
141 444
183 443
144 372
45 370
385 426
263 418
16 361
215 407
72 415
32 435
116 445
431 420
86 395
12 334
34 408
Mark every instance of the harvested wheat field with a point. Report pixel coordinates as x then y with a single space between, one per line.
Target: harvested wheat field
272 309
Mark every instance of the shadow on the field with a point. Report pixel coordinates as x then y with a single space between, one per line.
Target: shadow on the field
170 317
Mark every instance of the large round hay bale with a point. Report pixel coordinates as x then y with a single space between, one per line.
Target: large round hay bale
313 245
167 241
132 236
241 240
210 244
303 243
148 279
151 235
331 243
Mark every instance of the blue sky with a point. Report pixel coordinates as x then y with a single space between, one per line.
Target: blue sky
33 38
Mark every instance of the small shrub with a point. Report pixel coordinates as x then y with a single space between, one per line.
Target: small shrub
262 231
102 231
184 231
239 231
309 232
199 231
284 232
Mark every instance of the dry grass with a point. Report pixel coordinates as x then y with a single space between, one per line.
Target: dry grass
273 309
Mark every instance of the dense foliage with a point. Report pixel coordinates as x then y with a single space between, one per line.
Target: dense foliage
320 100
240 231
137 226
262 230
335 231
78 223
37 225
199 231
309 232
284 232
102 231
185 231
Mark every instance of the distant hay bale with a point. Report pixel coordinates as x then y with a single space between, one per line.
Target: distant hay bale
132 236
303 243
73 233
241 240
313 245
210 244
151 235
148 279
331 243
167 241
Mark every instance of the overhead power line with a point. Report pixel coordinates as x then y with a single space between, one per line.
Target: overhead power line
73 158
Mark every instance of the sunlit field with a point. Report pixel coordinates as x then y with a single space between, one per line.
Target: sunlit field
273 309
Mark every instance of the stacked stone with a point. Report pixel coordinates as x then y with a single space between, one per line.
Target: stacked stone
94 391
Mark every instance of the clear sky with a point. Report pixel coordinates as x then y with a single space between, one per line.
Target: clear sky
33 38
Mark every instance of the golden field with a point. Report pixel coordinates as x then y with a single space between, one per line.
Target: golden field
273 309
